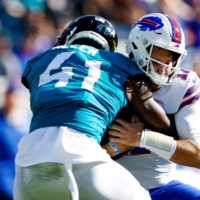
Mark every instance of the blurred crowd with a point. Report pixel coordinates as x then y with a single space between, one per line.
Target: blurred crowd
30 27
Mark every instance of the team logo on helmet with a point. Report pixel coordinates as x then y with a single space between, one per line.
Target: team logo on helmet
149 23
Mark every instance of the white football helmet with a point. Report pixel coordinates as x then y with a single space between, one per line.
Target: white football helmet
156 30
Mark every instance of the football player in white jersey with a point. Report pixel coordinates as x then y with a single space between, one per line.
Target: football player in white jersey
154 42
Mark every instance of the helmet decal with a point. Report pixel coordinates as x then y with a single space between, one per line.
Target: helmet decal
150 23
176 31
102 29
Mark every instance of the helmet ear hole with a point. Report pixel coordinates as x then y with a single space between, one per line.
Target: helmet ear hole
131 56
134 45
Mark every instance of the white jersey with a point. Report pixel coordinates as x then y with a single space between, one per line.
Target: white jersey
181 98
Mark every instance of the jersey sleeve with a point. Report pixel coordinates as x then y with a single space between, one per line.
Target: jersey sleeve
188 116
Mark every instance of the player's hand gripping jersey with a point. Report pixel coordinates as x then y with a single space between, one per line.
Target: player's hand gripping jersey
77 86
181 98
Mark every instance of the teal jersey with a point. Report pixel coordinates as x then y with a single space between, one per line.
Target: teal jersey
77 86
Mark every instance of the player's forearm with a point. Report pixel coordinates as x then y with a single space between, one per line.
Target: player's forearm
187 153
149 111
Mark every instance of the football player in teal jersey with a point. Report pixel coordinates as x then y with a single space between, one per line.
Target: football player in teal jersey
76 89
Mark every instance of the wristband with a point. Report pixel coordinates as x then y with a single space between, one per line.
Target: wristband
158 143
114 147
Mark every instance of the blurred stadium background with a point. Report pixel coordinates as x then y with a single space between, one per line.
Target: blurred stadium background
29 27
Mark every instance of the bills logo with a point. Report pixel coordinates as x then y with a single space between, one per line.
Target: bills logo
149 24
153 23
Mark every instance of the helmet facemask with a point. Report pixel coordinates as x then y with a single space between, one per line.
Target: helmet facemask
147 66
142 40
